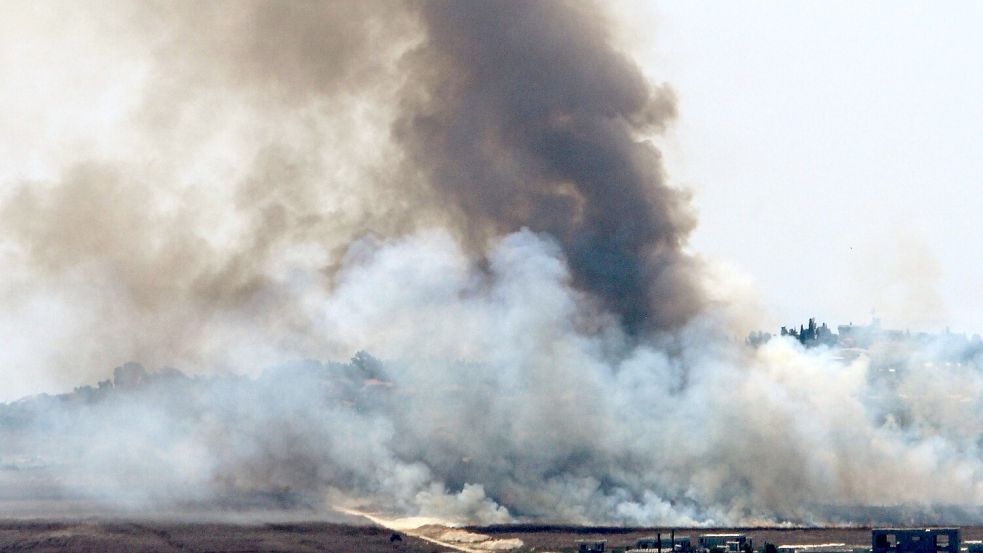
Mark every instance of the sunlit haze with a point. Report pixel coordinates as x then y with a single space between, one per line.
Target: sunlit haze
833 149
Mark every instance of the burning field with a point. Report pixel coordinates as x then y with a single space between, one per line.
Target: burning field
416 258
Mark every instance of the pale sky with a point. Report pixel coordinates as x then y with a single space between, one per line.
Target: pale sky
834 151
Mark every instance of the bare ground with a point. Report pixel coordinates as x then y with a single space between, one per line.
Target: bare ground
144 535
121 536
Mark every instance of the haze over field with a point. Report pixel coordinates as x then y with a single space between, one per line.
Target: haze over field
461 213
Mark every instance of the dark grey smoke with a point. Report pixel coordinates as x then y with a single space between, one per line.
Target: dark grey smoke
524 115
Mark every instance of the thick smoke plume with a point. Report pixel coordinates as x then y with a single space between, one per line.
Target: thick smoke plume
526 117
464 190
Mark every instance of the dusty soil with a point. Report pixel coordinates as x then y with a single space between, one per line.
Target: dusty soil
106 536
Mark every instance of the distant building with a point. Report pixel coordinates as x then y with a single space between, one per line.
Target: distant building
907 540
592 546
663 543
723 543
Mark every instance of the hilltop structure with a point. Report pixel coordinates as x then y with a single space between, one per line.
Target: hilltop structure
945 346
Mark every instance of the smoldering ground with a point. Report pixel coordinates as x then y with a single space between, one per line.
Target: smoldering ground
466 191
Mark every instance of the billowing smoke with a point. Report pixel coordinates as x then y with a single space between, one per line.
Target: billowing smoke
526 117
467 192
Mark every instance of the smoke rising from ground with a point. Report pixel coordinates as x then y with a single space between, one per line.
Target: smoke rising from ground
566 423
464 191
516 125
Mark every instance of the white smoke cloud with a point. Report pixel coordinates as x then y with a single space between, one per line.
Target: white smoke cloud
506 395
251 207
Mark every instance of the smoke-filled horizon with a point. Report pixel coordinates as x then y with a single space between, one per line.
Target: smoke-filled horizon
564 424
235 152
468 192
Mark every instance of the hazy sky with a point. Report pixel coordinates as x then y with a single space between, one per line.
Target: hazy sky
833 149
833 152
